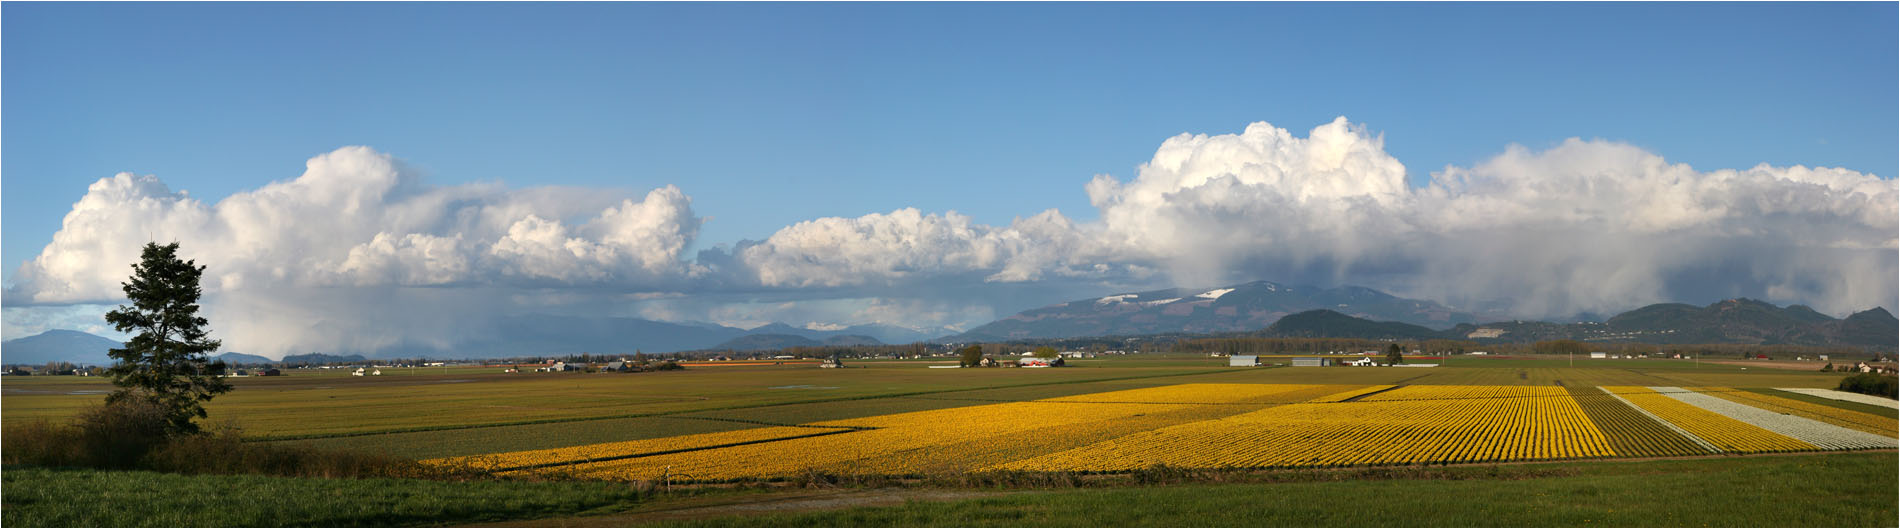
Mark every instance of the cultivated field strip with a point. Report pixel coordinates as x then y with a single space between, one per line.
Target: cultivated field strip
913 442
1846 396
1348 394
1723 432
624 449
1813 432
1205 394
1873 424
893 434
1421 424
1706 446
1629 431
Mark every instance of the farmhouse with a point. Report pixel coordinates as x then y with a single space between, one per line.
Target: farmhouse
831 363
1362 362
615 366
1599 354
1243 360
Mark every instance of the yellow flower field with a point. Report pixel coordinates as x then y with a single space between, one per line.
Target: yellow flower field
909 442
1214 426
1415 424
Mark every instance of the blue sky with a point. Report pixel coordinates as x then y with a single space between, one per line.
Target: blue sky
771 114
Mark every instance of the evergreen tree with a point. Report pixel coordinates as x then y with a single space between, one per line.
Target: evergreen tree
1394 355
165 363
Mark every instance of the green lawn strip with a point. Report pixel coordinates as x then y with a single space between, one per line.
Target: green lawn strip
38 497
452 443
1835 490
556 420
1862 407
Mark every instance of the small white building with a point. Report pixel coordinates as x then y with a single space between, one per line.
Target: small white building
1243 360
357 373
1599 354
1363 362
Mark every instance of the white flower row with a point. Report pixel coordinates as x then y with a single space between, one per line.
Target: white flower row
1811 431
1842 395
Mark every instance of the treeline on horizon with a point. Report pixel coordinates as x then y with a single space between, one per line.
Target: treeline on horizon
1439 346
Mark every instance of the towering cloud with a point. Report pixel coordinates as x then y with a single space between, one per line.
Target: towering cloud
358 252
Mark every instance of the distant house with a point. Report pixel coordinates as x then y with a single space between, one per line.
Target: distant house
1039 362
1599 354
1362 362
272 372
615 366
1243 360
1076 354
831 363
357 373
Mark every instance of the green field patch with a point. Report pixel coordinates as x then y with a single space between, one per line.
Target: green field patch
38 497
477 441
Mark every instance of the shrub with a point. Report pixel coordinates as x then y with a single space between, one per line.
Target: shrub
225 452
112 435
668 366
1871 384
131 435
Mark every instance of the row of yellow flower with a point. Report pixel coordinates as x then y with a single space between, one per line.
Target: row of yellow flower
1415 424
1725 433
955 438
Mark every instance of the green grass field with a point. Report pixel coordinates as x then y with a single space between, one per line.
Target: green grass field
1835 490
1814 490
94 498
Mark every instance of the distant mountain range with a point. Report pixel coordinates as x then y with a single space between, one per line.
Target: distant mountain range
59 345
1258 308
1739 320
757 342
532 335
1235 308
1268 308
241 359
